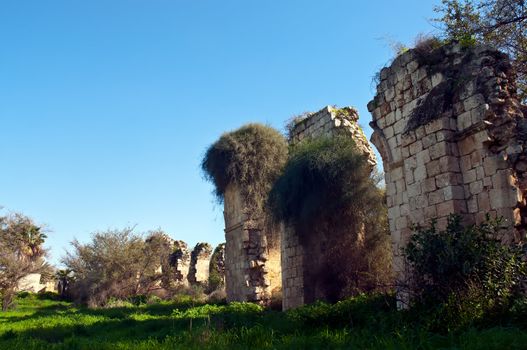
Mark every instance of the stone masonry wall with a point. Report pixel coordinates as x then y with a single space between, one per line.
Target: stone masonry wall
252 253
199 264
451 134
180 260
296 278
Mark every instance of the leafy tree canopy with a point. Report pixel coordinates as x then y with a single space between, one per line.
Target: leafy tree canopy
500 23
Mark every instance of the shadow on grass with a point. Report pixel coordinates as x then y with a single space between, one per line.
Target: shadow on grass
118 326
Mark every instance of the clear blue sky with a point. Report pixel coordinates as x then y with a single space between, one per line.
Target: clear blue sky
107 106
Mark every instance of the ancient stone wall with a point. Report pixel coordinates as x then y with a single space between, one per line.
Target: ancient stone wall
32 283
451 134
300 259
217 268
199 264
180 261
331 121
252 253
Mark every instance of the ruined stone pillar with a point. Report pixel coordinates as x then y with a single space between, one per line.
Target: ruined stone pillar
301 258
217 268
199 264
180 261
252 253
451 134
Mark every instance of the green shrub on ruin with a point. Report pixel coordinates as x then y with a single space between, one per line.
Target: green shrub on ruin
251 158
328 189
325 177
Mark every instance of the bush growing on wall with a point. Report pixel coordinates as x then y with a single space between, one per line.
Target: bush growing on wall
327 189
463 274
324 177
251 157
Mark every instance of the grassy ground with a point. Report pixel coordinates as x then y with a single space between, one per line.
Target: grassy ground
40 323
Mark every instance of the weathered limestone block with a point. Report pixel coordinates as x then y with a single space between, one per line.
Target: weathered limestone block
252 253
292 270
31 283
199 264
461 137
303 259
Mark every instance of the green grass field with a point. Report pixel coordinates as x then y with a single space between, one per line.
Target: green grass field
361 323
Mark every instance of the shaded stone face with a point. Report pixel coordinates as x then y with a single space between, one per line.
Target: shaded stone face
449 129
303 260
252 253
199 264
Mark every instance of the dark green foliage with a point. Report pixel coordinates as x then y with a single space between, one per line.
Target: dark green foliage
217 269
328 195
251 157
324 177
463 274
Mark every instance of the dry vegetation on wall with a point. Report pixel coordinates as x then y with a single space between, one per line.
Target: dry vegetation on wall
327 190
250 157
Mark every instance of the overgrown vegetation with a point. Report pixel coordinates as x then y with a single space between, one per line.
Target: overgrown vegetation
217 269
21 254
327 193
117 264
464 274
499 23
364 322
251 158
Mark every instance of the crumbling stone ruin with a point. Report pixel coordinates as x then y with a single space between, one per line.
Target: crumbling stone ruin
331 121
217 268
452 136
302 258
180 262
183 268
252 252
199 264
34 283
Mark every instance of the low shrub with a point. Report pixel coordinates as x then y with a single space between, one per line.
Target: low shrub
217 296
118 303
463 274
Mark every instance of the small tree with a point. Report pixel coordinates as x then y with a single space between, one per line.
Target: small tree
116 264
64 280
21 254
